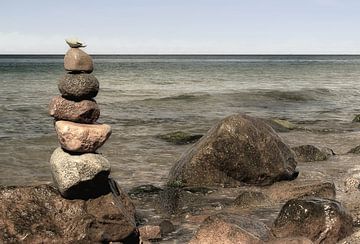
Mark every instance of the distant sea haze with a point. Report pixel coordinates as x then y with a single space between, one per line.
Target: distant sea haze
142 96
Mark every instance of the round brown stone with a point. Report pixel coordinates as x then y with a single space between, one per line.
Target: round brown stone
85 111
78 61
78 86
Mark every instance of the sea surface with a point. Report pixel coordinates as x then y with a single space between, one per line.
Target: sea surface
144 96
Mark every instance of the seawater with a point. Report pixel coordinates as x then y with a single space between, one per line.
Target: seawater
143 96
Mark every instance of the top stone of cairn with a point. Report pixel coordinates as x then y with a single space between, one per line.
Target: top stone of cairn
76 60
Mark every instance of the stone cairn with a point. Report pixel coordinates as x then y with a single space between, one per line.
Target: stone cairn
77 170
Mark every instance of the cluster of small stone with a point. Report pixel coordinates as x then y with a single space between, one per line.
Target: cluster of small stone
77 170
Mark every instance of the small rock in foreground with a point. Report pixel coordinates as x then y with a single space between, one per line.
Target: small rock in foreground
225 228
38 214
319 219
80 176
81 138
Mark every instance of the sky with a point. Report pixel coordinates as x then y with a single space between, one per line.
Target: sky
181 26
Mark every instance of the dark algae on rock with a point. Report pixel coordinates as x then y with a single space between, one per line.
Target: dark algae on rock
180 137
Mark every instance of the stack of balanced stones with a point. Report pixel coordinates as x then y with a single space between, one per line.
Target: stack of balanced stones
78 170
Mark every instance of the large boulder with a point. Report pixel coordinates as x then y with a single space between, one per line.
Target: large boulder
39 214
231 229
319 219
81 138
78 86
85 111
77 61
80 176
238 150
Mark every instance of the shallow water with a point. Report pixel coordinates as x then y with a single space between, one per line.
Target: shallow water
143 96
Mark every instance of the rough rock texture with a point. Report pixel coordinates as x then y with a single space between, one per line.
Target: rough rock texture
310 153
78 86
239 149
321 220
295 189
77 61
80 176
247 199
85 111
38 214
150 232
230 229
82 138
291 240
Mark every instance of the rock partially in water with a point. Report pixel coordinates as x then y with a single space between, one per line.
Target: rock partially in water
356 118
150 232
225 228
319 219
281 125
247 199
38 214
81 138
80 176
180 137
282 191
355 150
310 153
85 111
238 150
291 240
78 86
77 61
144 190
166 227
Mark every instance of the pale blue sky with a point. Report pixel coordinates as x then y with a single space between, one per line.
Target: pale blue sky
182 26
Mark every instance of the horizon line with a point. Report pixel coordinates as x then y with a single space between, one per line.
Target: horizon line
187 54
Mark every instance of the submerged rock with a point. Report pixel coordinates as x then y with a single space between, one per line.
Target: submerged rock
81 138
315 188
238 150
355 150
224 228
78 86
281 125
247 199
85 111
356 118
80 176
180 137
321 220
77 61
310 153
38 214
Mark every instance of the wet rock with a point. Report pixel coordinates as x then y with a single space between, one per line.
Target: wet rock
291 240
144 190
224 228
77 61
355 150
38 214
166 227
150 232
81 138
281 125
280 192
247 199
85 111
310 153
239 149
321 220
80 176
180 137
78 86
